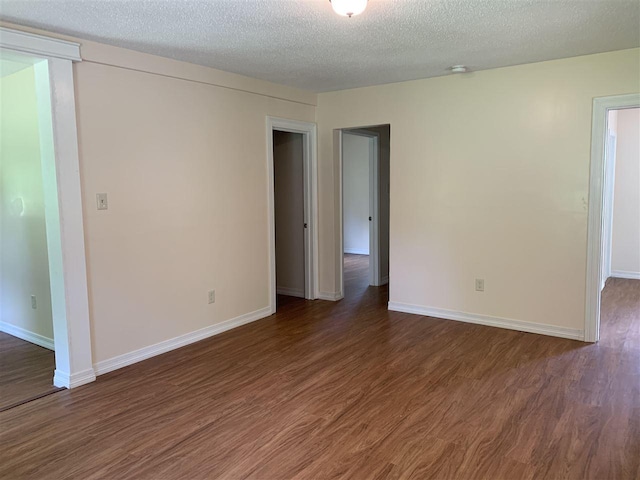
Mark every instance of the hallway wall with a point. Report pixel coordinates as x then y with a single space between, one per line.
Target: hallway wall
24 263
625 250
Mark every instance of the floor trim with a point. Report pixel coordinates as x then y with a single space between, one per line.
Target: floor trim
27 336
332 297
63 379
136 356
487 320
624 274
356 251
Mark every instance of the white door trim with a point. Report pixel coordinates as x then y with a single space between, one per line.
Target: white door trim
608 200
597 194
65 227
337 145
310 174
374 206
39 46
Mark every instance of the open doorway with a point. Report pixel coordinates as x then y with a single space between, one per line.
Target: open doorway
26 319
51 60
365 208
613 263
288 185
292 210
620 300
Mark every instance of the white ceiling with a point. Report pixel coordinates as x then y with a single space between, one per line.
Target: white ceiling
302 43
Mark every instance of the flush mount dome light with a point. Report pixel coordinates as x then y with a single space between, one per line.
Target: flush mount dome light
348 8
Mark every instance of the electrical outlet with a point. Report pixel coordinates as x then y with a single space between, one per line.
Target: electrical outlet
101 199
34 303
479 284
212 296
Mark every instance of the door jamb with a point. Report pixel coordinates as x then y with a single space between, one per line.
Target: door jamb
310 174
374 208
595 228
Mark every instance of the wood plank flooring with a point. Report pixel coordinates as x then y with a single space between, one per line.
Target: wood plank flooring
26 371
350 390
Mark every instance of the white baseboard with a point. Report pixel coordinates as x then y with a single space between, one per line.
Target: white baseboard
627 275
63 379
130 358
291 292
27 335
357 251
332 297
507 323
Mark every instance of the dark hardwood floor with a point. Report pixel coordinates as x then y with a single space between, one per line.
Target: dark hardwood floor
350 390
26 371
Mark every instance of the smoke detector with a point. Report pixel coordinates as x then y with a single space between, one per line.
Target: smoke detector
459 69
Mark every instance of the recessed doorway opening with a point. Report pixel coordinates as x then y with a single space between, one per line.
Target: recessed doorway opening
365 170
613 246
61 202
291 163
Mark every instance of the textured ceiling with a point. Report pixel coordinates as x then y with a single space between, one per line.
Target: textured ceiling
302 43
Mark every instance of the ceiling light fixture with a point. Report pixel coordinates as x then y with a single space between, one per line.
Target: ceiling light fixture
348 8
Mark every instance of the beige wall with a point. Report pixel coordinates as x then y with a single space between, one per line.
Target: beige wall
489 179
24 265
625 252
180 150
184 165
289 212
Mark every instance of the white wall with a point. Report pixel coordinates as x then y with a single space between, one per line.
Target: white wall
356 154
625 253
24 266
289 212
489 179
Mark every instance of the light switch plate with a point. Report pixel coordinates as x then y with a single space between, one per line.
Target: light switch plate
101 199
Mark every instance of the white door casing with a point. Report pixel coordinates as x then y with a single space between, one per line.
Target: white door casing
53 58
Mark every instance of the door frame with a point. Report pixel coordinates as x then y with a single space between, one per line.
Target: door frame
310 179
53 58
374 209
374 205
607 212
599 190
374 202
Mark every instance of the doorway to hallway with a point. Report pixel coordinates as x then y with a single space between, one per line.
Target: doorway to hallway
365 153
